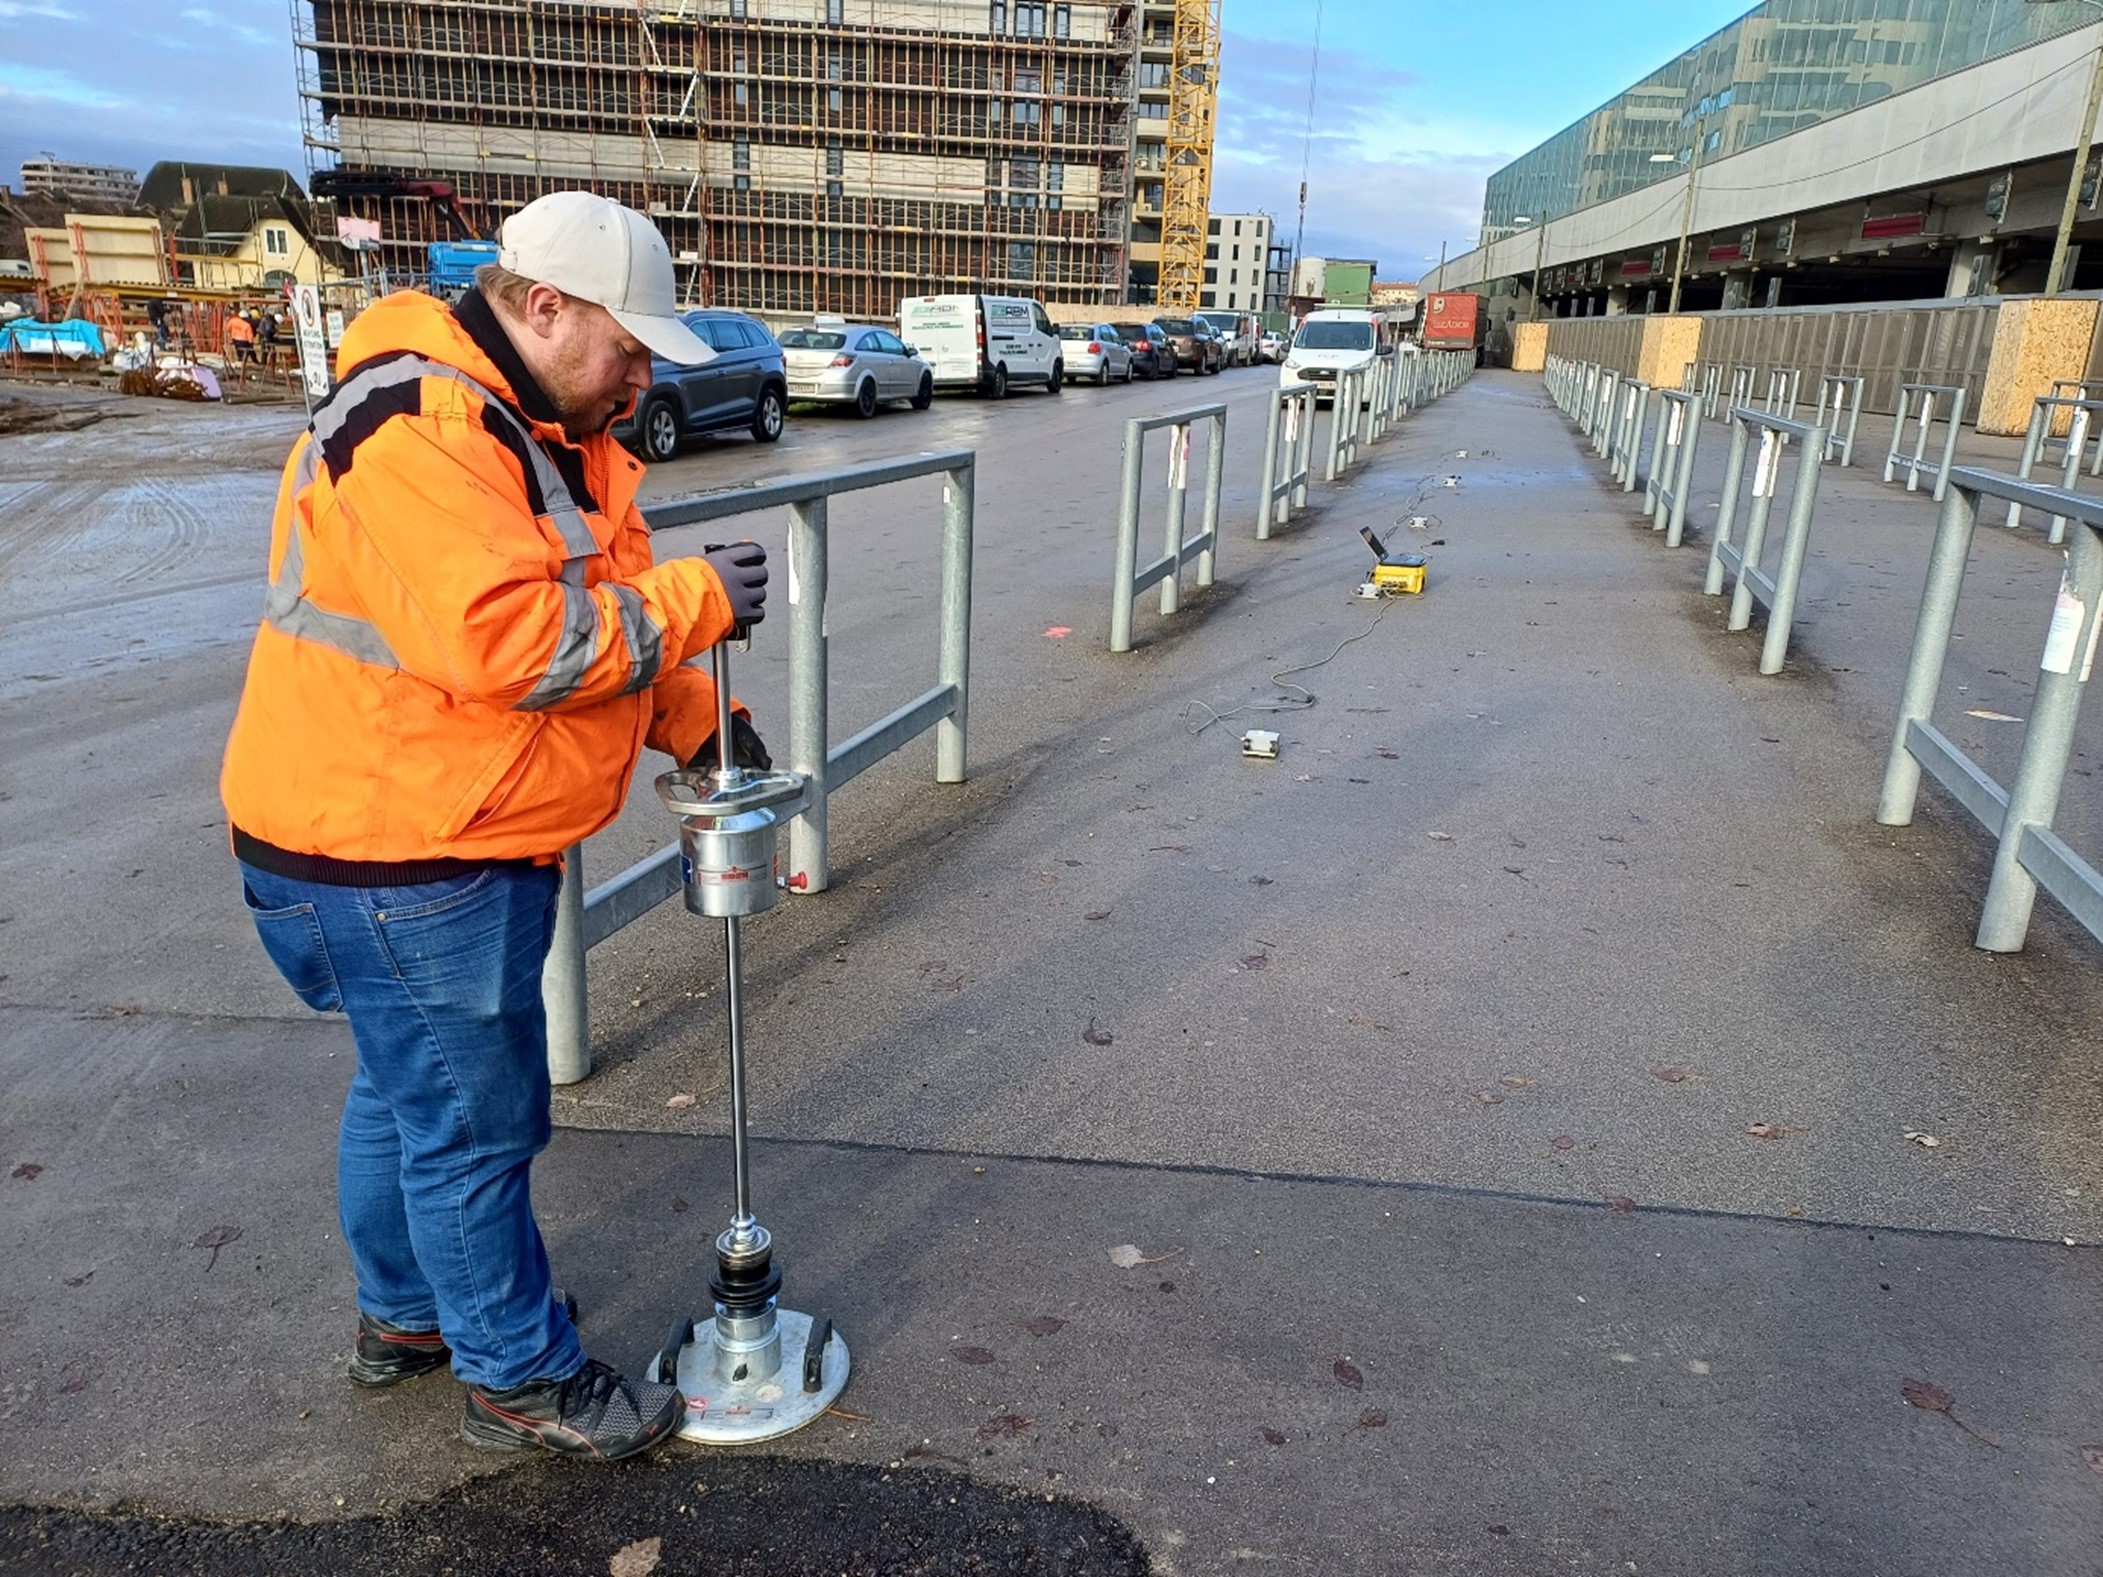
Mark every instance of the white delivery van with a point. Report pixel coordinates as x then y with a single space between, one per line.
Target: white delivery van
987 343
1334 340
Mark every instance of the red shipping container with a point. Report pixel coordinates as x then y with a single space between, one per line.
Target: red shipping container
1455 320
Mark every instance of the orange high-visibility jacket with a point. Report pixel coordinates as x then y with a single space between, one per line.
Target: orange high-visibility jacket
465 644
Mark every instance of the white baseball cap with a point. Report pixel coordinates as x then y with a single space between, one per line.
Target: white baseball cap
592 248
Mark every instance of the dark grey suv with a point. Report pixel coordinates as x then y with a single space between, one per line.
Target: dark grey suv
743 388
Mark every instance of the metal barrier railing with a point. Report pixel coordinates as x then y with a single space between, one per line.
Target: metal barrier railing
1711 388
1744 375
1601 424
1783 387
1776 592
1628 433
1672 462
1953 414
1343 429
2072 389
585 919
1842 391
1177 550
1290 421
2081 422
2028 855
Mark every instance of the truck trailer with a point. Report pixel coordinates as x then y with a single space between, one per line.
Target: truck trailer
1456 320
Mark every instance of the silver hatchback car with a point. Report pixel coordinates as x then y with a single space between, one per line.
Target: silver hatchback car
836 362
1094 350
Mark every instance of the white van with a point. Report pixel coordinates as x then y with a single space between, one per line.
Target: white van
987 343
1333 340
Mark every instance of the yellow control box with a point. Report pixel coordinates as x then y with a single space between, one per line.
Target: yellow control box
1394 574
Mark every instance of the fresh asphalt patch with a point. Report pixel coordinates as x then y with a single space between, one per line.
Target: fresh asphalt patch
673 1514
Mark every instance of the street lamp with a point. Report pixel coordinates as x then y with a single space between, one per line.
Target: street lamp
1686 217
1540 249
2062 242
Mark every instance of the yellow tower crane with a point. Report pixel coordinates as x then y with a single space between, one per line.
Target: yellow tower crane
1193 109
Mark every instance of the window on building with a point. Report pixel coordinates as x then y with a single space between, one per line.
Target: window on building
1211 276
1027 112
276 242
1212 251
1058 114
1233 276
1212 227
741 183
741 153
1029 81
1062 21
1237 227
997 16
739 94
832 10
834 189
833 100
1023 172
1055 203
1150 109
737 8
1029 19
835 160
1022 260
1055 176
993 111
1209 298
1153 74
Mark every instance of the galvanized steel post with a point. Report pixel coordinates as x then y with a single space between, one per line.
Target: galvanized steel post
1726 510
1122 592
953 661
565 994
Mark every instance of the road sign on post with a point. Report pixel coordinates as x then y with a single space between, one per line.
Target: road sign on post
313 341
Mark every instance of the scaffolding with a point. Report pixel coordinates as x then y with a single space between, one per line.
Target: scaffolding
827 155
438 116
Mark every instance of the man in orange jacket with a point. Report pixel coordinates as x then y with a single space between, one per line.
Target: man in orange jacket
465 647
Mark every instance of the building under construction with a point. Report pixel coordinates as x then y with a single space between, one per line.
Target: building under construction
799 155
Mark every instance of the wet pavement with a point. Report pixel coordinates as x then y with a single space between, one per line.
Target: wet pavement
1420 1069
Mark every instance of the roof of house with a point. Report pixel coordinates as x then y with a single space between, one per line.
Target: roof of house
173 183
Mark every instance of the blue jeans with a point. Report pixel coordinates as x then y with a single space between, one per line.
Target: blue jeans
441 982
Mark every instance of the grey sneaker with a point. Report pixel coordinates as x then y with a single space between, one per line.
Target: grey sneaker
594 1413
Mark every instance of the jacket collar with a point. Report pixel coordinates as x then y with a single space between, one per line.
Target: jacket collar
478 319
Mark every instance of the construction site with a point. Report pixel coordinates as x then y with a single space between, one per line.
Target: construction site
799 155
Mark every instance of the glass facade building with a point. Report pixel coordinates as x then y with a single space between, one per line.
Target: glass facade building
1784 65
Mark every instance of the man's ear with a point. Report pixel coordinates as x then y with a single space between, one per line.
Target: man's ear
543 306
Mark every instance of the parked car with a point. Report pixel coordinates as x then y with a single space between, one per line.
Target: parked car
985 343
745 386
1152 355
1195 342
1332 341
1096 350
1237 335
1271 347
835 362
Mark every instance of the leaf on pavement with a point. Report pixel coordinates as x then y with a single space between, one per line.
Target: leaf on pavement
1042 1324
1513 1081
1563 1141
1672 1075
1096 1037
680 1102
27 1171
1621 1204
1256 961
1127 1256
1003 1426
1372 1418
2092 1455
636 1560
1928 1395
1348 1375
1439 837
1926 1141
1769 1130
1277 1438
971 1355
1488 1098
1100 914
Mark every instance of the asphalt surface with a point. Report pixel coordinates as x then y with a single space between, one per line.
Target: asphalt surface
1418 1068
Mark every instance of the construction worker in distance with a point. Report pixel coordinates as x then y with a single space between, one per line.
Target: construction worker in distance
240 338
464 649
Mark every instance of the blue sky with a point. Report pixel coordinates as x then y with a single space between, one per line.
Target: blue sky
1415 104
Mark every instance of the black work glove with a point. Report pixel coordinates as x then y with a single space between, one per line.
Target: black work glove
742 568
747 749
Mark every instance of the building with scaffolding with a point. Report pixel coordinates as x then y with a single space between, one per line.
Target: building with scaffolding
799 155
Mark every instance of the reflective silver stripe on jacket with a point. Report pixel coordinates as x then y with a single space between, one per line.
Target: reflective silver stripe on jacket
287 609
